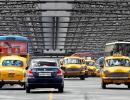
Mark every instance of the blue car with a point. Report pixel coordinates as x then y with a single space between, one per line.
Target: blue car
44 73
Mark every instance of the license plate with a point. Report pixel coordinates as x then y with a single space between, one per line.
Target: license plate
44 74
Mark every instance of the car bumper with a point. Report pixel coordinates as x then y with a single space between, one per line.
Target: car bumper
74 74
91 71
45 83
116 80
12 82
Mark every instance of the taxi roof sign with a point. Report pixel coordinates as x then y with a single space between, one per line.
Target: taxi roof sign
89 58
117 55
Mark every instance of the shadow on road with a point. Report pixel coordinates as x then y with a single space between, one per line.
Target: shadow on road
77 79
72 79
12 89
46 92
113 88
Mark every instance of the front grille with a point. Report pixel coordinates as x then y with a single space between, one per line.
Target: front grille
72 69
117 74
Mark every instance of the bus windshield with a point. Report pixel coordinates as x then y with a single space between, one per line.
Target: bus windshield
122 48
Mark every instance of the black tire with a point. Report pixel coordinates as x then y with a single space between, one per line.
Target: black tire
86 75
61 89
27 90
24 86
128 86
103 85
82 77
1 85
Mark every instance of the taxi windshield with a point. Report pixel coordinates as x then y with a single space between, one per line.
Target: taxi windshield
117 62
73 61
90 63
17 63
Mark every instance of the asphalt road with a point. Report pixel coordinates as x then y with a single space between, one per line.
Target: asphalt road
75 89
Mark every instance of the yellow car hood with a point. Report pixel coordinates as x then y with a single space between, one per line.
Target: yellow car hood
91 67
72 66
118 69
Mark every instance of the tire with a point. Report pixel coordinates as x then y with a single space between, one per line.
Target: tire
128 86
82 77
1 85
24 87
103 85
27 90
61 89
86 75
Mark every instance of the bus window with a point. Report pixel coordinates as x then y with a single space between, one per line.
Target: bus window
117 48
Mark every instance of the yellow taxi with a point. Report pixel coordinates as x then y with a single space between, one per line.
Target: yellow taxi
97 71
12 70
74 67
115 70
91 67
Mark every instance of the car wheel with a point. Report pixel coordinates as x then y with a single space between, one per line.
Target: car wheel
82 77
1 85
86 75
27 90
103 85
61 89
24 86
128 86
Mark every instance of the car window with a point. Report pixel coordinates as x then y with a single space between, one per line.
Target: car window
72 61
90 63
12 63
42 63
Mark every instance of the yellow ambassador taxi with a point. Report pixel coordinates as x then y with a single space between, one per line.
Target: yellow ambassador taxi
12 70
74 67
116 70
91 67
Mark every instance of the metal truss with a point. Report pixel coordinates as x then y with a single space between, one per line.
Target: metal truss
90 25
17 25
103 21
